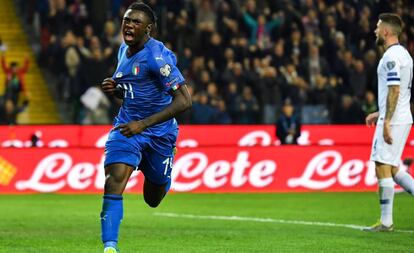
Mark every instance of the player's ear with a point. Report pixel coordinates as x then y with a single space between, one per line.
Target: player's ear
149 28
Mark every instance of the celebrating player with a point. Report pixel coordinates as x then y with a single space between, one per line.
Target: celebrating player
394 119
145 131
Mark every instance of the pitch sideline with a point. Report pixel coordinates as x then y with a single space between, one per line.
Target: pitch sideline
268 220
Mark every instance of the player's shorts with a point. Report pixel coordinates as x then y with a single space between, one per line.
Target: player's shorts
389 154
152 155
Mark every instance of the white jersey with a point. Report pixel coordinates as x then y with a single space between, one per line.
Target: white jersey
395 68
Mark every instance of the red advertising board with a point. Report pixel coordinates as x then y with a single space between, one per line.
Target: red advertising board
208 169
191 136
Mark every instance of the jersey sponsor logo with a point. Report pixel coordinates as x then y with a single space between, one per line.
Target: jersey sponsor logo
119 75
165 70
390 65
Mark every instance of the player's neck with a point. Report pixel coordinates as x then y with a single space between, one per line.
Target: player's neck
391 42
133 49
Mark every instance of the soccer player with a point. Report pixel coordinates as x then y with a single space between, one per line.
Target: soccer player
394 119
145 131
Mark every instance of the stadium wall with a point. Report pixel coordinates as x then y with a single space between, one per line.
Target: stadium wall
69 159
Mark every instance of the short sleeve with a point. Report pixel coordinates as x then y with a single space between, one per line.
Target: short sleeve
121 51
163 65
392 68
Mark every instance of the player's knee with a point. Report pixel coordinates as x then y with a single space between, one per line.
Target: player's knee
113 185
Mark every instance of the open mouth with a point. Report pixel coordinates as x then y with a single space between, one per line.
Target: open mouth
128 35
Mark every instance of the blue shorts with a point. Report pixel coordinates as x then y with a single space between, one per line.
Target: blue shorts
152 155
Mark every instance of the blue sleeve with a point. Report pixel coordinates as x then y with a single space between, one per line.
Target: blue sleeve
163 65
120 51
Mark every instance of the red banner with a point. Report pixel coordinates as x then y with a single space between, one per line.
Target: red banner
191 136
235 169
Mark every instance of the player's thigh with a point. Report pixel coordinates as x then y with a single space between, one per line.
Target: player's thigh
383 170
157 167
122 156
120 149
116 177
385 153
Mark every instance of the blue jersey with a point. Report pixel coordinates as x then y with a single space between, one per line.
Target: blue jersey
147 79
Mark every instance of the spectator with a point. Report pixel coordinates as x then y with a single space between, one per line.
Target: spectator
14 82
9 111
206 16
296 88
247 107
314 65
234 74
202 111
222 116
370 61
231 95
260 29
212 93
321 93
279 58
358 79
288 124
295 47
271 84
370 104
348 112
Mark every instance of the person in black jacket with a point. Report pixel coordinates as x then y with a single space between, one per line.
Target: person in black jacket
288 124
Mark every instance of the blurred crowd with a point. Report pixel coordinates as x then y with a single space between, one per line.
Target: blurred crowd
243 60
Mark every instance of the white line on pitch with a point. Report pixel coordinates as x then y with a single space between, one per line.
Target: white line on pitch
269 220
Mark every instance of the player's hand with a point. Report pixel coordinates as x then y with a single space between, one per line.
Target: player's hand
387 133
131 128
371 119
108 86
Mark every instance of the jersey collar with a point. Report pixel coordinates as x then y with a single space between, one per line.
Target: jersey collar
395 44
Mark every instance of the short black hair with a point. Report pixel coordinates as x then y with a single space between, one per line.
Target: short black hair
394 20
140 6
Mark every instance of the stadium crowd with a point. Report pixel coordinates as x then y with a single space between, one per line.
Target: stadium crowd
242 59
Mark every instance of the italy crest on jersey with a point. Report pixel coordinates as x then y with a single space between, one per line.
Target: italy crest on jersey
135 69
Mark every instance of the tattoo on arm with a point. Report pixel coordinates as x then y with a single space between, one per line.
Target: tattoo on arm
392 100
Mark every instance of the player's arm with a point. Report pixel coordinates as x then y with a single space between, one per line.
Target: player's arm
392 100
181 102
392 67
25 67
3 64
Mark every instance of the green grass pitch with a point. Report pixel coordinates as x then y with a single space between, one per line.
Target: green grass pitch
203 223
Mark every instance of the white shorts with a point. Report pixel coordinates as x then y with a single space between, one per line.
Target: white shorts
389 154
